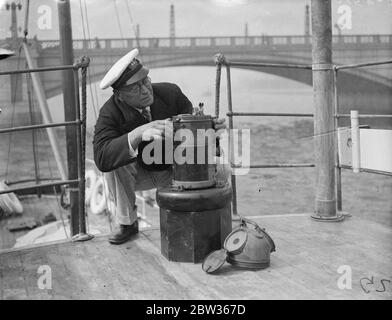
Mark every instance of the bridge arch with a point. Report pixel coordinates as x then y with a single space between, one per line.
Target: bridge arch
358 89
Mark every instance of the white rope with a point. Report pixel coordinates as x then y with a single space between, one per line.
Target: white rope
9 202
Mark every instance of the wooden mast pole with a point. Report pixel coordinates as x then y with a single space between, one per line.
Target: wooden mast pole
323 99
67 58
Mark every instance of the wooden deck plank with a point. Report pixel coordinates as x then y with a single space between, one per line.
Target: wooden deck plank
14 286
182 273
357 243
30 264
152 270
107 281
304 267
314 241
82 276
33 207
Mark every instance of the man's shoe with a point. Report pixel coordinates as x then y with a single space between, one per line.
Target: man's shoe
123 233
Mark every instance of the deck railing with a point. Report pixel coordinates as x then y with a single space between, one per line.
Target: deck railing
337 116
80 123
221 60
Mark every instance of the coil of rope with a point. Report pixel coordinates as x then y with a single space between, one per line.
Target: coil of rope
9 202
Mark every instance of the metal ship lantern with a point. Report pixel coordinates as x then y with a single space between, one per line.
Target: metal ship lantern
195 211
200 171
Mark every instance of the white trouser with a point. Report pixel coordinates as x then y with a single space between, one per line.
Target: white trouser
125 181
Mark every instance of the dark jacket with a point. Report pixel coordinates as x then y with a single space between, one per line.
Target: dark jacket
116 119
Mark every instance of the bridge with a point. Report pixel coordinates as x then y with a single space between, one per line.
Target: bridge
360 88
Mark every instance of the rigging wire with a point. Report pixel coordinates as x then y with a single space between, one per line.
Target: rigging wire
33 133
42 135
26 21
13 115
54 188
14 96
85 22
86 40
32 109
86 25
89 69
133 27
118 19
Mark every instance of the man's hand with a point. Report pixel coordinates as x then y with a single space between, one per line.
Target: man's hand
219 124
158 129
220 127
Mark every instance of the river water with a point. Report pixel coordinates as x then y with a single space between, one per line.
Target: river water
273 140
252 91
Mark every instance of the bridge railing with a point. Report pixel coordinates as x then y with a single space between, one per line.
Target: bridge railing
229 41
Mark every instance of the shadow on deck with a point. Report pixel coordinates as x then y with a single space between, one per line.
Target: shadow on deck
305 266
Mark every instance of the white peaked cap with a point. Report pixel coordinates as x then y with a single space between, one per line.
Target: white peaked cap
117 69
4 53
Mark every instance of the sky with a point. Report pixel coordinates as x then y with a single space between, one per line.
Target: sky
197 17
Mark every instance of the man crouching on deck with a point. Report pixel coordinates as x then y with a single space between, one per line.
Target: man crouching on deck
137 109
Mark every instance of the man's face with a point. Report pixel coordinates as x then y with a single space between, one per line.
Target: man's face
138 94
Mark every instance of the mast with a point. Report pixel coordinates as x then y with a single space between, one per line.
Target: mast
67 58
323 97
